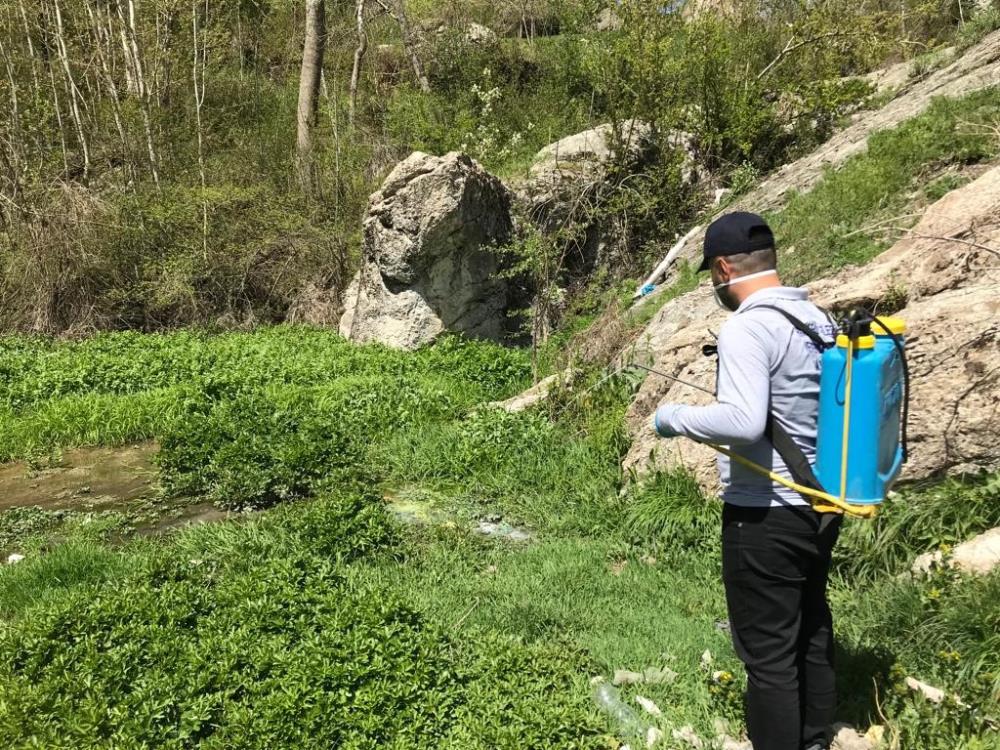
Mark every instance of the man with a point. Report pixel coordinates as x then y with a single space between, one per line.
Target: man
776 549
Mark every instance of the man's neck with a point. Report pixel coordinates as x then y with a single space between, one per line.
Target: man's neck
755 285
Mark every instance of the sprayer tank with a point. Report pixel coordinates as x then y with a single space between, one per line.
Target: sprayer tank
865 471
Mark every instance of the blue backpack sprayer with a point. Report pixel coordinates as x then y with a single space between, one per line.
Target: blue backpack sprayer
863 410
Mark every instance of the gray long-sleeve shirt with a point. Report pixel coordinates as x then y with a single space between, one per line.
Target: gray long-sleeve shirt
763 362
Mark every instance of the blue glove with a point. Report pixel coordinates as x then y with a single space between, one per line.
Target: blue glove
660 421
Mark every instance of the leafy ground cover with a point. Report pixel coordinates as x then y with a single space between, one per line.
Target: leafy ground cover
325 622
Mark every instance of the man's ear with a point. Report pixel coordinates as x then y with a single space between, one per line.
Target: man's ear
723 269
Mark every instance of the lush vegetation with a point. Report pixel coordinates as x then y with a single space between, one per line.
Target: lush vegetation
354 602
326 622
863 208
150 176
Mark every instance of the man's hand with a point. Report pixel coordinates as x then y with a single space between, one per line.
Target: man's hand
661 421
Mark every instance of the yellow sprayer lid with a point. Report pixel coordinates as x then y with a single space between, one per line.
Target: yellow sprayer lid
894 325
863 342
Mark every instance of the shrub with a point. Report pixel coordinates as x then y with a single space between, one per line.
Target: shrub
255 635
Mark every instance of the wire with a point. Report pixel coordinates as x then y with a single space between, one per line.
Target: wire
671 377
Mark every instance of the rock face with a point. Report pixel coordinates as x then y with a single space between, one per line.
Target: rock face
948 271
429 260
566 179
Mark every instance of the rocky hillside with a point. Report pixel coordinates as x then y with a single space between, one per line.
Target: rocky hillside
943 278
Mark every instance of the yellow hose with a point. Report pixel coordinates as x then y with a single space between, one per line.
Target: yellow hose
822 502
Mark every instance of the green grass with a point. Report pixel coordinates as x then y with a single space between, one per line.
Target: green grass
309 623
827 226
258 635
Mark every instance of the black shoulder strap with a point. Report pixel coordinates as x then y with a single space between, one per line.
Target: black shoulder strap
796 461
818 340
793 456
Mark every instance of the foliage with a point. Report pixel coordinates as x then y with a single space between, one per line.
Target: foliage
915 520
212 651
243 634
245 420
107 220
829 227
668 514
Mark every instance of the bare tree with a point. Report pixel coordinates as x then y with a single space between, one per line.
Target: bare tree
309 84
410 46
359 56
136 80
74 92
101 37
31 44
198 65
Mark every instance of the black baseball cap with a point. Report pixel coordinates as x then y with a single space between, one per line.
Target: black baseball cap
734 234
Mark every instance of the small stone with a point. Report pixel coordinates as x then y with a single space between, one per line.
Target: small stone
14 558
706 659
653 736
687 735
931 693
648 706
626 677
658 675
847 738
978 556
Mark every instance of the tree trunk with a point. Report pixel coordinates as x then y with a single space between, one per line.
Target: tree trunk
410 46
74 92
309 80
198 65
31 45
98 34
359 55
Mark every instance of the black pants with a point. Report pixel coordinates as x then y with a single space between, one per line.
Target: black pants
775 564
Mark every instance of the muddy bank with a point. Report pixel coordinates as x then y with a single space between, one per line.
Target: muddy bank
102 482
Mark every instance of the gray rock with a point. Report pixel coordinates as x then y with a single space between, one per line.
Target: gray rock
950 276
975 69
537 393
608 20
566 181
429 261
979 555
479 34
847 738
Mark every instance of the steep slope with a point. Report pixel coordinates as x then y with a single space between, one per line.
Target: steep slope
976 69
948 271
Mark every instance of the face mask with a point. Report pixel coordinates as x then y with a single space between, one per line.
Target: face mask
725 303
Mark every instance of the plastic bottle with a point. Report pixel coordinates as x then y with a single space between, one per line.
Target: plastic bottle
627 721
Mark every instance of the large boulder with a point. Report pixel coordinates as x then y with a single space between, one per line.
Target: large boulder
568 179
429 259
946 272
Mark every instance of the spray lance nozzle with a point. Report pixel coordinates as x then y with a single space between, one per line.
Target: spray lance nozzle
857 323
